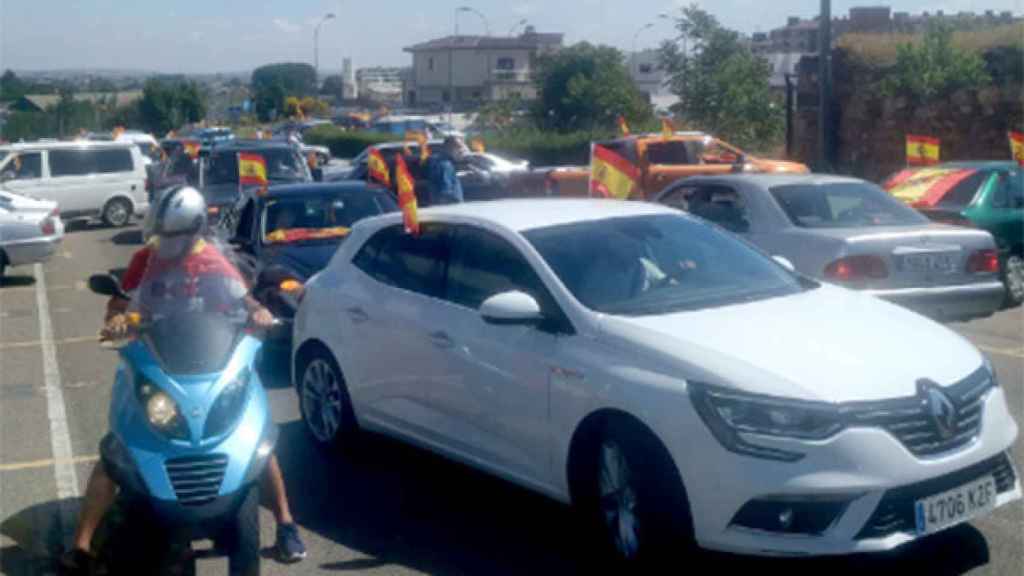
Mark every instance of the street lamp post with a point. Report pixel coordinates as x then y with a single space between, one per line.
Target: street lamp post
511 31
632 53
451 54
316 44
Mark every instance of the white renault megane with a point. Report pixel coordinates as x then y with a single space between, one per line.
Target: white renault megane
654 370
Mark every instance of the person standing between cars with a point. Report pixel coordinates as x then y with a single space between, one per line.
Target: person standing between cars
442 173
179 222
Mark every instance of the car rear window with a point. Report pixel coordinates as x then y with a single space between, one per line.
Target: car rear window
842 205
963 193
69 162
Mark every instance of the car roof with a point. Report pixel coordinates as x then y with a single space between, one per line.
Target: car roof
524 214
977 164
242 145
768 180
322 189
51 144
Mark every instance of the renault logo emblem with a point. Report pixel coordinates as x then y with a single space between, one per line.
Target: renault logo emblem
940 409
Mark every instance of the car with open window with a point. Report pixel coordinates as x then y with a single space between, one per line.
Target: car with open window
672 381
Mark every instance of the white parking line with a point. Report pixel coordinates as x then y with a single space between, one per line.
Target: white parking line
60 439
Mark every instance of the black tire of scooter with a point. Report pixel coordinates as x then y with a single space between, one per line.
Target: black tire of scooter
243 536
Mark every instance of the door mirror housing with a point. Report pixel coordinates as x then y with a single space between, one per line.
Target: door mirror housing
784 262
513 308
106 285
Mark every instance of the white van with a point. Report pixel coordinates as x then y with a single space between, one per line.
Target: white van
86 179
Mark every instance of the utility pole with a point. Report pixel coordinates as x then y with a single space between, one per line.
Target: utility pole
316 47
825 86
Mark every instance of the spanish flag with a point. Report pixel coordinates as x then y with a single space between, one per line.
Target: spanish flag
378 168
421 139
192 148
1017 147
667 129
407 196
623 127
252 169
477 145
611 175
922 150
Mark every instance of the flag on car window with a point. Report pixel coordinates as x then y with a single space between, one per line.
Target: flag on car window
1017 147
378 168
421 139
623 127
407 196
667 129
922 150
477 145
611 175
925 187
192 148
252 169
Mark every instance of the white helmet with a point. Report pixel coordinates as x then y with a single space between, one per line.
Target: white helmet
181 212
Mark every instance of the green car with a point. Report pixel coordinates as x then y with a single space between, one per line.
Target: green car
985 195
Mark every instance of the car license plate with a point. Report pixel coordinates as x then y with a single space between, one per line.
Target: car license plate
955 506
928 262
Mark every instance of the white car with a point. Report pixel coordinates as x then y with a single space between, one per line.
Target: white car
86 179
30 230
657 372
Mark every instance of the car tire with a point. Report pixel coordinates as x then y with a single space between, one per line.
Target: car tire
632 496
1013 279
3 263
243 537
324 400
117 213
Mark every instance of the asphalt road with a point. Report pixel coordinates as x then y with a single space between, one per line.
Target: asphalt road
389 509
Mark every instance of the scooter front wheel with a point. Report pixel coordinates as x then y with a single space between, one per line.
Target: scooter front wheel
243 536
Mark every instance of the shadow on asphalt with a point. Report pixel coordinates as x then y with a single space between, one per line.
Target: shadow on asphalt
404 506
16 281
128 238
36 534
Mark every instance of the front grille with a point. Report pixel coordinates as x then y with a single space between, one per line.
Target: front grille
912 422
196 479
895 512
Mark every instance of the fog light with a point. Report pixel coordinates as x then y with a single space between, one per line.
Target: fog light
792 515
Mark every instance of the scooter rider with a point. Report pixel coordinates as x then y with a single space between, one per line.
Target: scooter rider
178 244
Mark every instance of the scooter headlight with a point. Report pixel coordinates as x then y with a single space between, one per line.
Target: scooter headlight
162 411
228 406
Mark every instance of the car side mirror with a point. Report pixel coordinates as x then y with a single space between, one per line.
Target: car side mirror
513 308
318 174
784 262
106 285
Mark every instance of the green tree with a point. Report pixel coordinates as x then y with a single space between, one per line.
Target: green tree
334 85
584 87
934 68
272 83
11 87
722 86
167 104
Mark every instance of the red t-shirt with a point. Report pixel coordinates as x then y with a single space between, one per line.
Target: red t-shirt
204 259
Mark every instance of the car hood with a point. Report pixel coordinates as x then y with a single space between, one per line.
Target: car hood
827 344
304 259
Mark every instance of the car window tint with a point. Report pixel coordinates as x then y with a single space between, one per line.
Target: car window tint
842 205
113 161
414 263
721 205
244 229
483 264
27 166
963 193
72 162
676 198
1015 188
671 153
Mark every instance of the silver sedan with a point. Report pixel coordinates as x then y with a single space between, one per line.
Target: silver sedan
850 232
30 230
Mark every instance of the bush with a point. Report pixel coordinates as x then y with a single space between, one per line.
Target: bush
345 144
544 148
934 68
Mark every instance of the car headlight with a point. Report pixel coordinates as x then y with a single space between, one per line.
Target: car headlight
228 406
728 414
161 410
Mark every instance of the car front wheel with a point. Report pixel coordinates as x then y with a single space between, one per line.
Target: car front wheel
323 399
117 213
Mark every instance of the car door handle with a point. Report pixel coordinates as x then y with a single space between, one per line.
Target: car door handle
357 314
441 340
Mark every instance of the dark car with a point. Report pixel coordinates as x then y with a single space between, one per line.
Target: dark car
220 186
289 233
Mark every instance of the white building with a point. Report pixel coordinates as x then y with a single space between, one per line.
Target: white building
381 84
648 75
349 90
469 70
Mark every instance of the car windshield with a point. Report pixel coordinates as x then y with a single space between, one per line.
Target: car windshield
283 165
842 205
650 265
312 219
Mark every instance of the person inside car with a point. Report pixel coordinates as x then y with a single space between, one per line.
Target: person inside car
178 244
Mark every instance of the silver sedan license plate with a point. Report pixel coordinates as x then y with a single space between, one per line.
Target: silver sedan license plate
955 506
928 262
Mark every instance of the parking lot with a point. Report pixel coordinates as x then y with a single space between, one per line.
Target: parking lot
387 509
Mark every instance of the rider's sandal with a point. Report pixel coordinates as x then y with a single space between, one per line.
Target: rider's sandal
76 561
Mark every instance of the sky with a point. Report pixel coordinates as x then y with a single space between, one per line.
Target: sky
204 36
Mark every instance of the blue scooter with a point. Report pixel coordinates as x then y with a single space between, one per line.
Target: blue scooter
190 427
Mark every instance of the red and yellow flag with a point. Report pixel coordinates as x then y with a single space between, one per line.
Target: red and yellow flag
421 139
623 127
922 150
252 169
611 175
1017 147
378 168
192 148
477 145
667 129
407 196
925 187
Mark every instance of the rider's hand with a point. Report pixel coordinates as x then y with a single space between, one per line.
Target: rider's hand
116 328
262 318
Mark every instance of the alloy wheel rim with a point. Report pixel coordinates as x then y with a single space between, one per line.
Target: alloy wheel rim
1015 277
321 400
117 214
618 500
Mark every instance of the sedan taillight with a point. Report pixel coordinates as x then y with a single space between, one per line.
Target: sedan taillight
49 224
983 261
853 268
